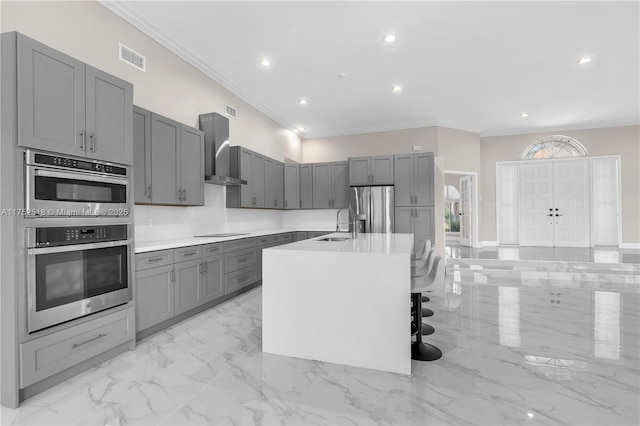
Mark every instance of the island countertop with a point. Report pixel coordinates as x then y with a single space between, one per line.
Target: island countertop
401 244
345 302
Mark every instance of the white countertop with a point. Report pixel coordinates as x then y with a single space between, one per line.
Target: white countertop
364 243
147 246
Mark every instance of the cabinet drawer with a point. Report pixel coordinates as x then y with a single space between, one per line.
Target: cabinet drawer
153 259
187 253
239 259
41 358
261 241
286 238
239 244
239 279
211 249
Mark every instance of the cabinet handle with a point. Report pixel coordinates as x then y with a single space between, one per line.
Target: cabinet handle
200 268
184 195
83 139
191 253
244 259
243 279
206 268
92 142
149 191
173 276
155 259
98 337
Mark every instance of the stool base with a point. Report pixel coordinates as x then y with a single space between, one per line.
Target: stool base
421 351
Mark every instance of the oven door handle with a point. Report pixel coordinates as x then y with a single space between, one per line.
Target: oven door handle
78 247
80 176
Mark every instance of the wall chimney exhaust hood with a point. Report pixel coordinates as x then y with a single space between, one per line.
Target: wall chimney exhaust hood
216 150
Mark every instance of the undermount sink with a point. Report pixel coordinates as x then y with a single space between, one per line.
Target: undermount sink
335 239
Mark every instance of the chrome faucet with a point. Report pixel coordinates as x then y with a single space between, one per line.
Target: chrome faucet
352 223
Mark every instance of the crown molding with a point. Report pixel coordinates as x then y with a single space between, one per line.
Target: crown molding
388 128
124 11
584 126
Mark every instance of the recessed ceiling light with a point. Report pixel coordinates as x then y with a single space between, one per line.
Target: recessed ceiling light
265 62
342 74
302 129
584 60
389 38
524 115
397 88
303 101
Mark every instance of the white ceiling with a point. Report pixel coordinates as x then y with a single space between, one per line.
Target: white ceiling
468 65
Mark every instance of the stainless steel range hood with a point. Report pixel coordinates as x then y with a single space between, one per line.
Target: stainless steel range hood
216 150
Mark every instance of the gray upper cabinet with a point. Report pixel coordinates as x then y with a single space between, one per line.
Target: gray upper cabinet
322 193
291 186
67 107
414 179
340 184
168 161
330 185
141 155
164 165
278 183
191 166
154 296
269 188
109 105
306 186
250 167
371 170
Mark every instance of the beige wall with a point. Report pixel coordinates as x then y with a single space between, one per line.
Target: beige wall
170 86
624 141
89 32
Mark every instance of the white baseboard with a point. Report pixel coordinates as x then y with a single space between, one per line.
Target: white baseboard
488 244
629 245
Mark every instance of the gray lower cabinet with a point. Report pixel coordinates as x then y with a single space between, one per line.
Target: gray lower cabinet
240 264
168 161
314 234
212 282
418 221
306 186
187 285
154 296
291 186
330 183
45 356
68 107
300 235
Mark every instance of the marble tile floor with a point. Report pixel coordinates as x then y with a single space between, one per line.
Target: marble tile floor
513 355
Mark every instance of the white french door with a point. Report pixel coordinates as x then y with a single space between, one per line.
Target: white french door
466 192
554 203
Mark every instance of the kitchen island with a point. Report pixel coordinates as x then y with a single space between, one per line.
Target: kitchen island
344 301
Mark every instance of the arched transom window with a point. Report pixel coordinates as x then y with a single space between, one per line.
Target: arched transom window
556 146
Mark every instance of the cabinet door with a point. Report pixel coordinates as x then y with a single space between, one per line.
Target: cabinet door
154 296
257 179
212 282
300 236
187 286
165 135
322 186
269 188
359 171
246 193
192 166
381 170
423 226
141 155
404 220
109 105
51 99
278 184
403 179
291 186
306 186
340 184
423 179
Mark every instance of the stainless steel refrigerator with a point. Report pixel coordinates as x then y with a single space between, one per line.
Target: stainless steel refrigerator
374 208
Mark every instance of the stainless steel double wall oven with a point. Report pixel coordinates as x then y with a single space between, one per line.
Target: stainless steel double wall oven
79 237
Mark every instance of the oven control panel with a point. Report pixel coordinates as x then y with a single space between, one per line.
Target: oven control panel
68 235
84 165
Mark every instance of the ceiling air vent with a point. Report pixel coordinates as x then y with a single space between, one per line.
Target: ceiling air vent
231 112
132 57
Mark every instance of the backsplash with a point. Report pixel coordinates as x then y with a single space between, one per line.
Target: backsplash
154 223
311 219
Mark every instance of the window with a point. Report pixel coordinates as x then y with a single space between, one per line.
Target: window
451 209
556 146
